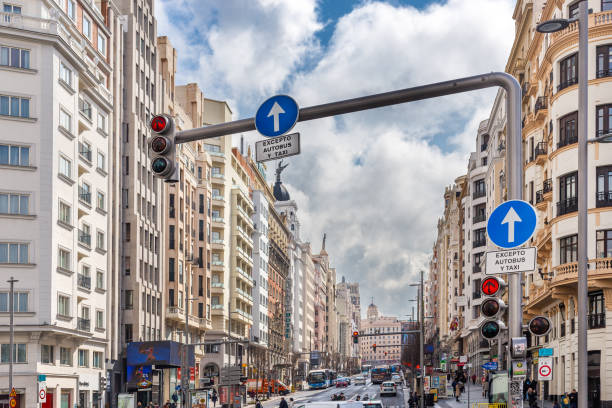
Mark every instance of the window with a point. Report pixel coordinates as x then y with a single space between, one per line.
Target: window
597 310
568 249
65 167
568 129
47 356
83 358
102 122
14 106
102 44
63 259
480 237
85 150
65 213
65 120
604 186
85 193
568 189
65 356
573 10
99 280
8 8
85 108
63 305
479 189
480 213
128 330
606 5
15 57
97 359
19 352
14 204
129 299
604 120
86 26
20 302
604 61
65 74
171 242
100 240
11 155
71 10
171 296
604 244
99 319
13 253
101 201
171 269
568 75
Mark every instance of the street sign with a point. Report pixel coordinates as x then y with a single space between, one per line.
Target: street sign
519 369
511 224
461 300
42 377
276 115
463 359
13 394
42 392
511 261
491 365
545 368
546 352
277 148
490 286
13 402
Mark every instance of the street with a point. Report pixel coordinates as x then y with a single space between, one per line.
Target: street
350 392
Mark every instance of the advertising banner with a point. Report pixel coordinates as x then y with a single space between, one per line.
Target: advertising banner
159 353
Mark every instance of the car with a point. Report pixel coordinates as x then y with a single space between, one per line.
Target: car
372 404
397 379
360 380
341 382
388 388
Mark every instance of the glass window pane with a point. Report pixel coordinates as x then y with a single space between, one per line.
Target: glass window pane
14 106
4 105
4 56
23 302
4 302
4 154
14 205
25 156
21 353
15 155
25 59
13 253
14 57
23 253
4 204
16 10
25 108
24 204
3 253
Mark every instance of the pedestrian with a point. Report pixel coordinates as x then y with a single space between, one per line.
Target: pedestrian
257 403
458 390
532 398
573 399
565 401
454 384
526 386
214 398
283 403
291 403
474 379
167 404
485 387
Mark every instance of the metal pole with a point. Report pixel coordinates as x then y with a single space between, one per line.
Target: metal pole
421 346
583 36
186 374
11 330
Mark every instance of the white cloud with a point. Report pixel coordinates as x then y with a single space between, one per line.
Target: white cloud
381 214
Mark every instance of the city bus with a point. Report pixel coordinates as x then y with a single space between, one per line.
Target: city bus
379 374
365 368
318 379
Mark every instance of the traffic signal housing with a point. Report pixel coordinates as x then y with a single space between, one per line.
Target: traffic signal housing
539 326
162 148
374 347
355 337
492 307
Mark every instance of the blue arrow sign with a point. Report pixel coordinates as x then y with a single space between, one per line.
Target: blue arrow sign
277 115
491 365
511 224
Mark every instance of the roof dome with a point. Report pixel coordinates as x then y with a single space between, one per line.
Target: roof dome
280 192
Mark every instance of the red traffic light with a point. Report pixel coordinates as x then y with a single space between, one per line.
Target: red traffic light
490 286
355 333
159 123
374 346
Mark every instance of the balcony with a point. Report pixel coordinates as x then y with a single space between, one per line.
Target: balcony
525 89
540 108
174 313
541 153
567 206
565 84
603 132
219 221
600 269
483 147
85 238
597 320
84 195
218 198
479 218
217 265
217 287
604 199
479 193
83 324
85 152
218 244
479 243
84 281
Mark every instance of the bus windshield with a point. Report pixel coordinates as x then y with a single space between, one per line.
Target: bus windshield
316 377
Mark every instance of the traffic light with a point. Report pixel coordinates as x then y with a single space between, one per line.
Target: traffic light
102 382
355 337
374 347
163 149
492 307
539 326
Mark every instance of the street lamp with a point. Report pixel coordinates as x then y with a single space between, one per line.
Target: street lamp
421 314
583 38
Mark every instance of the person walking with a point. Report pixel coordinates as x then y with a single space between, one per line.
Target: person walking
474 379
526 386
532 398
257 403
283 403
485 387
291 403
573 399
214 398
565 401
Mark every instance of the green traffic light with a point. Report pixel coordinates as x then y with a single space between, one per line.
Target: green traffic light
159 165
490 330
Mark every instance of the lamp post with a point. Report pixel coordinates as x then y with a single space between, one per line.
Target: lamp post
552 26
11 330
421 315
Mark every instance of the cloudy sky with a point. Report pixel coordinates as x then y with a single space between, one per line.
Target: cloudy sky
373 181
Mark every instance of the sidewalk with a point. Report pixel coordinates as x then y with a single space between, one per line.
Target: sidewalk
476 397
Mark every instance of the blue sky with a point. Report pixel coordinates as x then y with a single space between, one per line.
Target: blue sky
373 181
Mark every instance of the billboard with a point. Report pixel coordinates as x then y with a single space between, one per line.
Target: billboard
139 377
159 353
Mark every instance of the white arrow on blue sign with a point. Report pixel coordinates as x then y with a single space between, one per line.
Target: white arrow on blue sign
511 224
276 115
491 365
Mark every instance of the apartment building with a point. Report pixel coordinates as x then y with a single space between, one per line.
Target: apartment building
548 68
308 294
59 68
387 350
347 311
